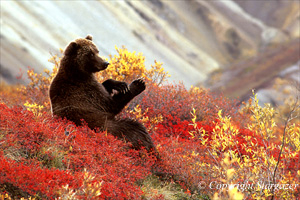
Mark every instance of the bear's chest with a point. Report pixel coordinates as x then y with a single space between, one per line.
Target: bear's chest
93 94
96 91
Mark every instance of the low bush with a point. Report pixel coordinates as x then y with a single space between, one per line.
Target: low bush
210 148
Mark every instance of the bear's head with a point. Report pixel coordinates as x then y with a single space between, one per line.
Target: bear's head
84 54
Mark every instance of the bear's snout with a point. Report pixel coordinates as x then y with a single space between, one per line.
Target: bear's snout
106 64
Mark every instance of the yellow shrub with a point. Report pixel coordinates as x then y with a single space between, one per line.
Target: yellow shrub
128 66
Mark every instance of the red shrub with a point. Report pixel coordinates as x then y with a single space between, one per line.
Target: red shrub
175 103
35 180
38 143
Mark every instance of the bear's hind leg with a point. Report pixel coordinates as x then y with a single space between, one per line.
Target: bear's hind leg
132 131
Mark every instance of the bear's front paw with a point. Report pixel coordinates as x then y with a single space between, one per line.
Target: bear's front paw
121 87
137 86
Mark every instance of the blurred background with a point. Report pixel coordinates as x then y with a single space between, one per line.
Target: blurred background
227 46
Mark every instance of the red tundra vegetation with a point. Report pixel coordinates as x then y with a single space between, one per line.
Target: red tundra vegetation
209 147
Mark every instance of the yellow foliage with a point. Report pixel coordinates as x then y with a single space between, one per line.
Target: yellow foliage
262 119
137 112
223 133
257 168
90 189
37 90
34 108
143 118
127 66
234 194
7 197
197 132
231 191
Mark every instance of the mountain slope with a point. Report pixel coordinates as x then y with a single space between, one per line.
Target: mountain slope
192 38
258 72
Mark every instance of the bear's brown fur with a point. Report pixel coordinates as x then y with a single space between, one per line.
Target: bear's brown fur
75 94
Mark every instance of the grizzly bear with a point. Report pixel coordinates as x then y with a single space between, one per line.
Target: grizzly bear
76 95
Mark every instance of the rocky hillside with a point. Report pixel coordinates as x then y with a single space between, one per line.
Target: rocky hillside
192 38
261 73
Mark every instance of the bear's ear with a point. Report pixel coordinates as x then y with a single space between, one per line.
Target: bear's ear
89 37
71 49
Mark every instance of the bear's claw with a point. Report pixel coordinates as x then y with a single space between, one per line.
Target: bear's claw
121 87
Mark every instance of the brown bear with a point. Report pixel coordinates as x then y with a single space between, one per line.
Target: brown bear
75 94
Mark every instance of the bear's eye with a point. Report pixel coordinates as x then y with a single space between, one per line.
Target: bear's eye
92 54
